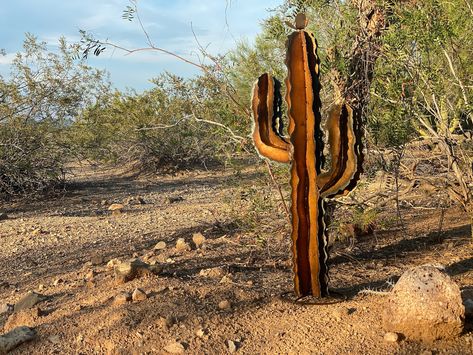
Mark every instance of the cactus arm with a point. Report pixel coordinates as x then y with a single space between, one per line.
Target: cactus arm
267 129
344 164
309 243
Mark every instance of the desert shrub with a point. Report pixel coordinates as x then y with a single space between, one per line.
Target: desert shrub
38 102
177 124
31 158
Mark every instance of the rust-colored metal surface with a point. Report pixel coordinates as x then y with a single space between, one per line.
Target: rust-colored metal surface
304 150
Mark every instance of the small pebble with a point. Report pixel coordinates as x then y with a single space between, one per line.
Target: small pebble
6 308
139 295
175 348
90 275
224 305
181 245
112 263
198 239
160 245
54 339
391 337
232 348
122 298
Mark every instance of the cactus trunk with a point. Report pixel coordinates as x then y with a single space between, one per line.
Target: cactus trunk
305 151
309 244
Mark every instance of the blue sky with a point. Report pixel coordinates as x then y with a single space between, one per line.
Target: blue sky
167 21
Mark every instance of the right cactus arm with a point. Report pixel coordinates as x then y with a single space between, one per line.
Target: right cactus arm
267 130
344 164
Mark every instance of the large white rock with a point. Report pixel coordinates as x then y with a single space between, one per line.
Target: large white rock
426 305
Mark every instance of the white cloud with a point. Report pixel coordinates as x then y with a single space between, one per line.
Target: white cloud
7 59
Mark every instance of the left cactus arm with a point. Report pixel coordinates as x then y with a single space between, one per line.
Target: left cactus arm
267 130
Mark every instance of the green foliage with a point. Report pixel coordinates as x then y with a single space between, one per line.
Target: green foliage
414 79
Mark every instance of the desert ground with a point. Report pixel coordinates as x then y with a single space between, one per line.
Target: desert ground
225 293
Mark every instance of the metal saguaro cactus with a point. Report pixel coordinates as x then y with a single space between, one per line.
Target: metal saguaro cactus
304 149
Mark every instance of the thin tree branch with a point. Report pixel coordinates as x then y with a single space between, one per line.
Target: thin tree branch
283 201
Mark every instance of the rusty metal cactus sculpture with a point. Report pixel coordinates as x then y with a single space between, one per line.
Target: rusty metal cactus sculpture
304 149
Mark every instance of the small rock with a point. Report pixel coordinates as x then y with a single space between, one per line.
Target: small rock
139 295
175 348
80 338
133 269
213 273
104 203
200 333
54 339
3 216
224 305
425 305
243 295
15 338
6 308
29 301
116 208
391 337
181 245
198 239
112 263
227 279
90 275
160 246
232 348
41 287
122 298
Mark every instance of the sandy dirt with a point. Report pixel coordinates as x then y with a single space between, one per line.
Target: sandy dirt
59 247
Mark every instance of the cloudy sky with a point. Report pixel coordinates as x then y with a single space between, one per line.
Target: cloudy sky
169 23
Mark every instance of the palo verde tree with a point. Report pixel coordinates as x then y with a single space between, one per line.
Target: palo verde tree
425 84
